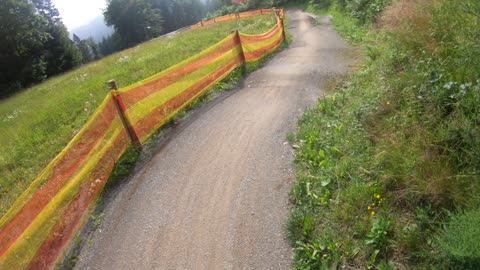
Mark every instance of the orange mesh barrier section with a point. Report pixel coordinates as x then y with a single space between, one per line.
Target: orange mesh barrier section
45 218
256 47
237 16
141 90
248 39
160 115
61 172
72 216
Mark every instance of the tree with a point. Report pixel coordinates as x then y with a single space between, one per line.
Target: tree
214 5
35 44
139 20
134 20
89 49
180 13
60 52
23 37
110 44
47 10
94 47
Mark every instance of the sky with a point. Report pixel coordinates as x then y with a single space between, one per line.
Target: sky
77 13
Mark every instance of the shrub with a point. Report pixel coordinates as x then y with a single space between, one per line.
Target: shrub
460 240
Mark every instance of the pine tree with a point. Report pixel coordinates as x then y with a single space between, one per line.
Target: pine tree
48 10
60 52
22 39
134 20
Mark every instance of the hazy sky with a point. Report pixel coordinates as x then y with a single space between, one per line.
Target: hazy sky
76 13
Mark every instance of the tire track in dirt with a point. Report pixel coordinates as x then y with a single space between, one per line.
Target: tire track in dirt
215 196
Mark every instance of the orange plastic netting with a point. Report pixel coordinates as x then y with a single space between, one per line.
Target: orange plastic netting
37 228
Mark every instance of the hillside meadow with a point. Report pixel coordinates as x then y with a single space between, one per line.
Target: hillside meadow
38 122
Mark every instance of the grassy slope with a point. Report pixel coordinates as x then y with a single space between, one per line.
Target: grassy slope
37 123
388 165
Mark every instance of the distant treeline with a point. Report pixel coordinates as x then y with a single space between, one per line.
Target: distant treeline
36 44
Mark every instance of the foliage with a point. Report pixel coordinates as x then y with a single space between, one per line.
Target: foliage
60 52
409 120
179 13
135 21
89 49
140 20
460 240
47 10
110 44
35 44
22 37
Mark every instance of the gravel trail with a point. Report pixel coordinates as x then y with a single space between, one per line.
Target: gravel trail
215 195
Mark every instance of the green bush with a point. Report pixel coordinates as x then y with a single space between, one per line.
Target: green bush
365 10
460 240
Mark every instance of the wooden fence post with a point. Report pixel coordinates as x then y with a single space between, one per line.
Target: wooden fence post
239 41
283 30
242 53
121 112
280 18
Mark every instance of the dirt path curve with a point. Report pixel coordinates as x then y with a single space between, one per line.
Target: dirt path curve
216 195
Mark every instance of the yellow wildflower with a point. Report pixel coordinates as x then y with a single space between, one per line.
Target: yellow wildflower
372 213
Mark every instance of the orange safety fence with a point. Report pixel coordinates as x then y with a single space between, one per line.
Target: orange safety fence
238 15
38 227
257 46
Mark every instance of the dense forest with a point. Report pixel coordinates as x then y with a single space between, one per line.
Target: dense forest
36 44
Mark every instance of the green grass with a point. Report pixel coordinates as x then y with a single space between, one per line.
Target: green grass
351 29
460 241
37 123
387 169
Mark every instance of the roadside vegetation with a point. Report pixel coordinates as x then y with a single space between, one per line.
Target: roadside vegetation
388 165
37 123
